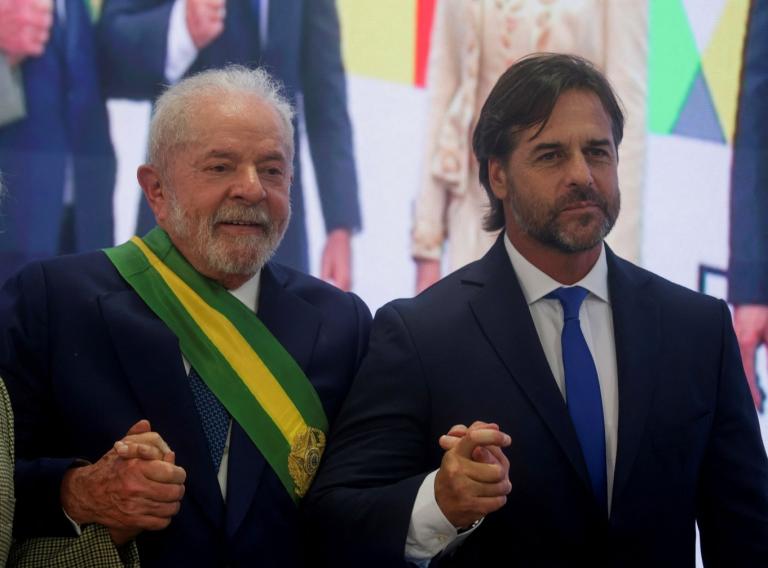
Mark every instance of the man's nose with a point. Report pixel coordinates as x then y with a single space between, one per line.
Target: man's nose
579 171
249 186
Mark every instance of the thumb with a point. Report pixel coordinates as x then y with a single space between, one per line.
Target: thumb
140 427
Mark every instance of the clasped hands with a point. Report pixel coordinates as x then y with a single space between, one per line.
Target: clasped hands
473 479
135 486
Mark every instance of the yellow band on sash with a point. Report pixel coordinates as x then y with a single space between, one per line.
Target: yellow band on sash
235 349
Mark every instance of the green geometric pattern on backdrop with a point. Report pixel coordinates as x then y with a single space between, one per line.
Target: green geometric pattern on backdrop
673 61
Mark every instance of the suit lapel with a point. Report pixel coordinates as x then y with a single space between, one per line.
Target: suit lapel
505 319
295 324
637 335
150 356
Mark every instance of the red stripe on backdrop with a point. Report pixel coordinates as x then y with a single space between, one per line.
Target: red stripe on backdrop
425 10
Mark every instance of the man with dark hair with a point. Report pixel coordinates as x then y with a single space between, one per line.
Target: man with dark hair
607 407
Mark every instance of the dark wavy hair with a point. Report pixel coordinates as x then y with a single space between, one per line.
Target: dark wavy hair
524 96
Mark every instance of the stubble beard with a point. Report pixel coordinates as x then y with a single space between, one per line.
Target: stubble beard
544 223
225 254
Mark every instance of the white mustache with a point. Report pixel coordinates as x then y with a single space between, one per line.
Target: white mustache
243 215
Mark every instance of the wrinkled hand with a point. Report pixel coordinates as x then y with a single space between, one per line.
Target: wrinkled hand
126 495
336 264
427 273
473 479
25 26
751 325
205 20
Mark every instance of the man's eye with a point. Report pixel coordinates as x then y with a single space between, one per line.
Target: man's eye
597 152
548 156
218 168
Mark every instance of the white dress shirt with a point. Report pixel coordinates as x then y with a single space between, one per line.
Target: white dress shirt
429 531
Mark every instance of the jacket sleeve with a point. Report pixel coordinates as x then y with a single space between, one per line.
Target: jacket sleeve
133 41
733 489
24 366
329 129
748 266
361 501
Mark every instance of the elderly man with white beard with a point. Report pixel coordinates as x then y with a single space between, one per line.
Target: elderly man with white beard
238 364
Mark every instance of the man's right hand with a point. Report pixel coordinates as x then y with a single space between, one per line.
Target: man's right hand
25 26
126 495
473 479
750 321
205 20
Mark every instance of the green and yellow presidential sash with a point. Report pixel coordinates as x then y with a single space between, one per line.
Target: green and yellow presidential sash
250 372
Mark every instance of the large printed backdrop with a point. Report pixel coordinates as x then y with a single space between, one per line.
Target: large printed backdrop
694 68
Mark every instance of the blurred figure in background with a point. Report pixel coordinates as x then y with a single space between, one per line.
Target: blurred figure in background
472 44
748 266
56 150
149 43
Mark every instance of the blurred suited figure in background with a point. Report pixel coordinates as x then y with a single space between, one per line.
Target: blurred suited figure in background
149 43
748 266
55 149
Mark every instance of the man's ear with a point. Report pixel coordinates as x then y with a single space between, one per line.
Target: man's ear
155 192
497 176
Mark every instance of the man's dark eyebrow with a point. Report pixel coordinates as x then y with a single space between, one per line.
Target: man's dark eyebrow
599 142
542 146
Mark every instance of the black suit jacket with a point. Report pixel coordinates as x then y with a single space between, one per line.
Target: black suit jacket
689 447
84 359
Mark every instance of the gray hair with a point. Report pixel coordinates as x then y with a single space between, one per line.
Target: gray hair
173 109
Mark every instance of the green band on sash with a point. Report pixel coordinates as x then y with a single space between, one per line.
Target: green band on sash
250 372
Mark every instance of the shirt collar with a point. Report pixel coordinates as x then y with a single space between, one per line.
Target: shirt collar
248 293
536 284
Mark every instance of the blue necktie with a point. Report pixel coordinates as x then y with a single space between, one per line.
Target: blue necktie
213 415
582 389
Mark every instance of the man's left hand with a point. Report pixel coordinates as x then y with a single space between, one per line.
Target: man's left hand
336 264
750 321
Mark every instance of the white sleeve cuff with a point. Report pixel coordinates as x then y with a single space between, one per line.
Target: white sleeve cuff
75 525
181 52
429 531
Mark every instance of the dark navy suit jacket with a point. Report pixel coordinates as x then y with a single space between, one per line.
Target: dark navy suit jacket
84 359
66 118
748 266
689 446
302 50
